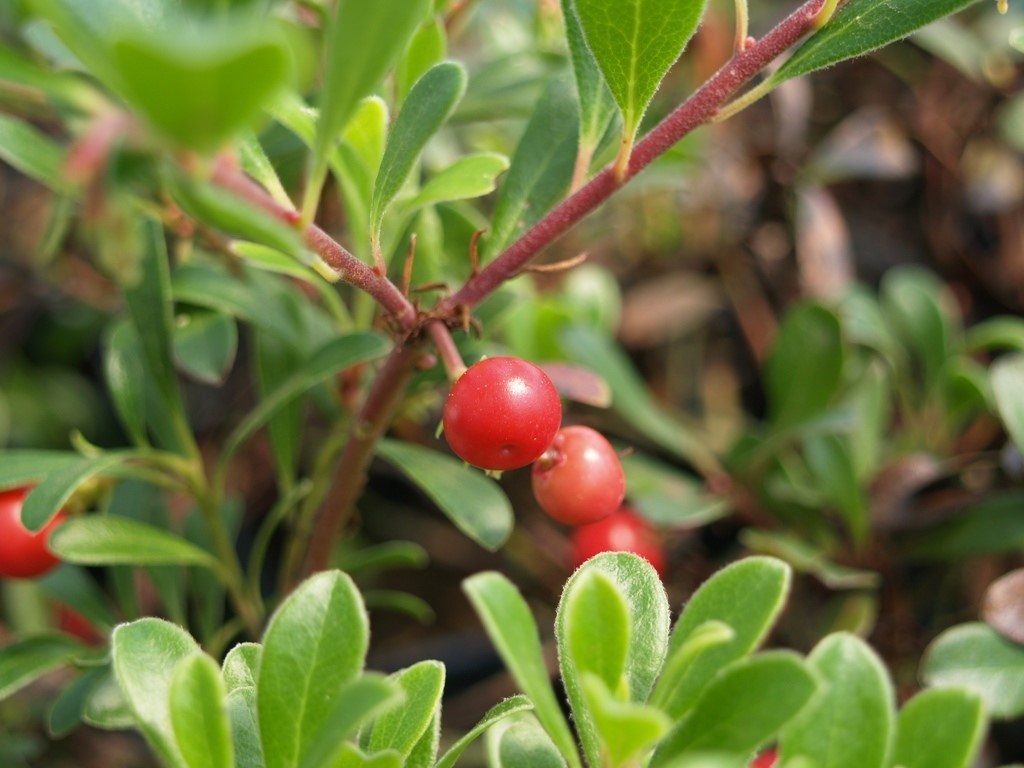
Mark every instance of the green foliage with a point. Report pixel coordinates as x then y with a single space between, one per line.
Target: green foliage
244 314
634 49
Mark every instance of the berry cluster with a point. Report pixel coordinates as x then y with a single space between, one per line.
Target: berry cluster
504 413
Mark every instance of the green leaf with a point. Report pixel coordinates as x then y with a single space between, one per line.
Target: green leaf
428 46
205 344
940 728
635 43
108 540
363 41
125 378
314 645
1007 376
32 153
468 177
613 621
245 729
508 707
595 633
401 728
976 657
743 708
597 107
359 700
424 751
222 210
241 666
990 525
1004 332
803 369
27 660
336 355
68 709
199 715
541 168
521 744
350 756
861 26
624 728
668 496
106 706
510 625
631 396
255 162
747 596
200 83
251 296
851 723
472 501
28 467
146 654
830 460
150 306
914 301
429 105
805 557
47 498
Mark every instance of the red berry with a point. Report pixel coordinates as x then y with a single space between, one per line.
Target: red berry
502 413
579 479
766 759
621 531
23 554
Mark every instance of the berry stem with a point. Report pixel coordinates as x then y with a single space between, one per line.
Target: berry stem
696 110
446 349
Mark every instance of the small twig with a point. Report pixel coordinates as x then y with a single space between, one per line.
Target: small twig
742 25
407 267
446 349
556 266
345 265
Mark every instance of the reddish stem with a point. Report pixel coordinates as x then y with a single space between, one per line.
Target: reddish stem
349 268
374 417
697 109
454 366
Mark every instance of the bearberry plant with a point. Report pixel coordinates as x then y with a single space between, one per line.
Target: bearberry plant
315 225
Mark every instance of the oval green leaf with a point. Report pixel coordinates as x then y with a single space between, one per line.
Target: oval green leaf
511 627
428 106
747 596
314 645
1007 377
146 654
401 728
635 42
861 26
205 344
940 728
27 660
46 499
851 723
468 177
743 708
27 467
976 657
198 84
510 706
109 540
34 154
199 715
803 369
472 501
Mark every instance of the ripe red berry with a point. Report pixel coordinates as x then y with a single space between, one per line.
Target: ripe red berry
502 413
766 759
23 554
579 479
621 531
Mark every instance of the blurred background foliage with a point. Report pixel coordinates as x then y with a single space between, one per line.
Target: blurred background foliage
791 294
